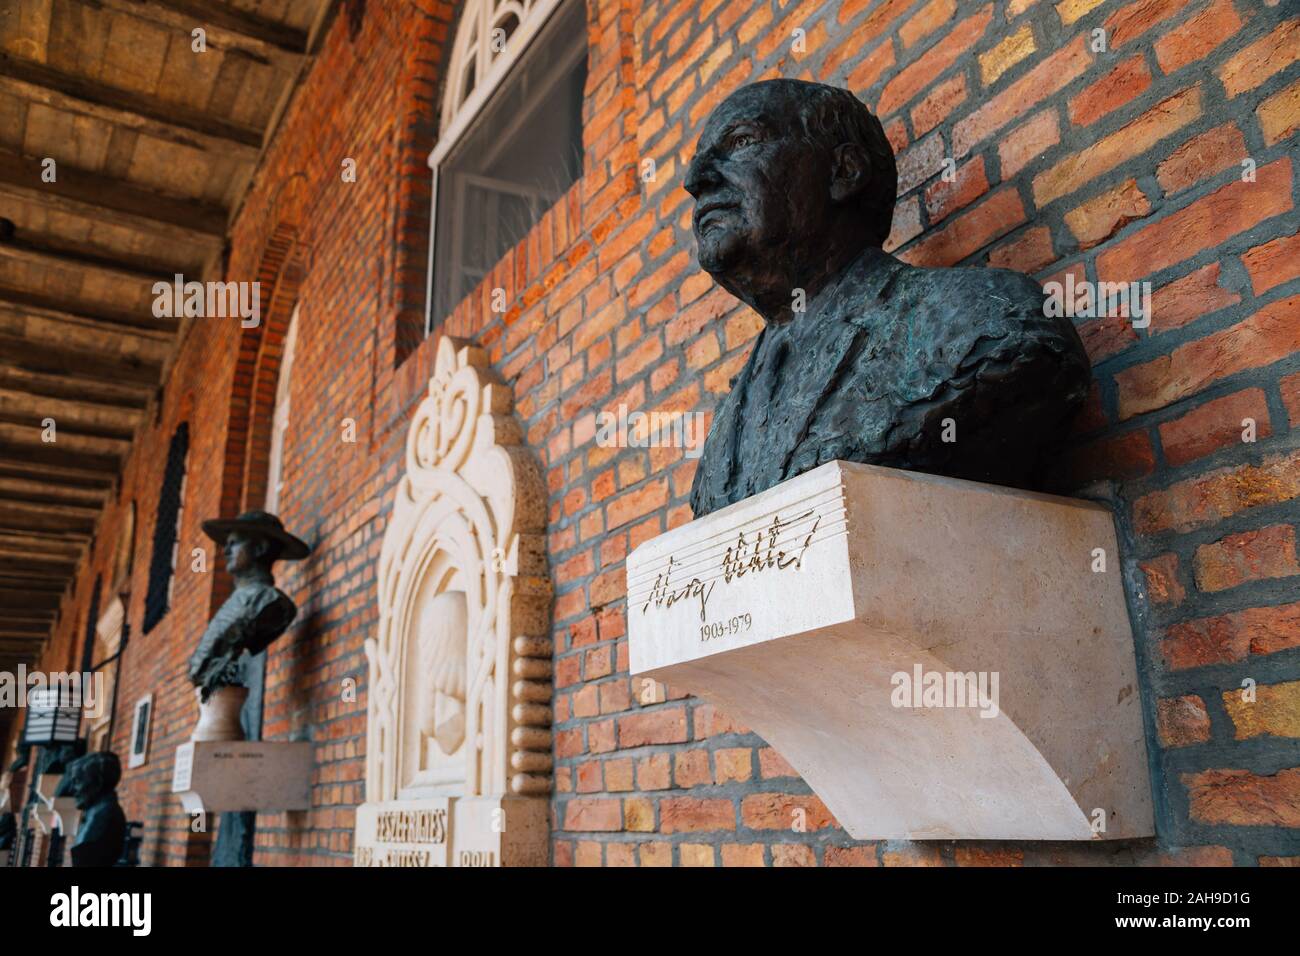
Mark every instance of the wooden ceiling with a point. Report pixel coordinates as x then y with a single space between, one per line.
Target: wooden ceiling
153 145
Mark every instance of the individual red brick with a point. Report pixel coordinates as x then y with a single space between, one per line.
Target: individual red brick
1249 556
691 769
1122 457
851 856
969 232
1119 86
1132 21
793 854
1241 798
1099 218
689 815
1214 425
909 81
938 104
1163 585
696 854
1054 73
742 854
1273 263
772 764
1134 138
872 68
593 814
943 198
784 811
1231 637
1027 142
637 503
655 854
1196 36
926 20
1254 64
654 772
1182 721
913 854
1279 115
1028 253
1194 296
666 726
986 856
1268 336
1106 337
638 815
1201 157
733 765
1221 494
1290 387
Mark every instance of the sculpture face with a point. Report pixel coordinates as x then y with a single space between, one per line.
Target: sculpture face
90 778
759 189
791 180
244 552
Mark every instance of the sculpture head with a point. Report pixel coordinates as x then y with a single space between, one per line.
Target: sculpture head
253 542
90 778
792 180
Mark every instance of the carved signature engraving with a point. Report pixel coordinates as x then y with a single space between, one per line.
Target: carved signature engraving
745 556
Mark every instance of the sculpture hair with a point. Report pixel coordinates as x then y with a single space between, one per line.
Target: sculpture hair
831 117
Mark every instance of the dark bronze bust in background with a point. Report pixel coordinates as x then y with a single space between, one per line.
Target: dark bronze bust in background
101 835
862 357
257 612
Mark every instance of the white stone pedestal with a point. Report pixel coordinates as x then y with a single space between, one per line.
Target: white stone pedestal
243 775
453 831
807 610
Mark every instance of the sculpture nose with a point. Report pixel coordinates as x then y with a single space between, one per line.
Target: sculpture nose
701 174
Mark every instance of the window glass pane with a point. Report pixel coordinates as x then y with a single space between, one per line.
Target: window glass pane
520 155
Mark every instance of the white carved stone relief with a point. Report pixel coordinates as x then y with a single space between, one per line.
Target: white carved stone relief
459 700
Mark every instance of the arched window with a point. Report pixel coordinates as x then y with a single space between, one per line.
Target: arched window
511 136
280 419
166 530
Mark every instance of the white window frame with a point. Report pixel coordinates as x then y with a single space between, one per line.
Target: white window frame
280 418
472 49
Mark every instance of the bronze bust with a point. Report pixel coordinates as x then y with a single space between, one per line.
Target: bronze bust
92 782
862 357
257 612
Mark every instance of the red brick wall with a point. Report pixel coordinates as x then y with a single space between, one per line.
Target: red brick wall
1121 165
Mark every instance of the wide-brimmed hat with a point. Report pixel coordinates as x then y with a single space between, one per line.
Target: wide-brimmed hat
258 523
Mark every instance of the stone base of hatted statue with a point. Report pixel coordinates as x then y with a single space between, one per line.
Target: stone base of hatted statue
52 815
219 776
453 831
938 659
219 714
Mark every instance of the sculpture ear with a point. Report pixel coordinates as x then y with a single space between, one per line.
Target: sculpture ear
850 171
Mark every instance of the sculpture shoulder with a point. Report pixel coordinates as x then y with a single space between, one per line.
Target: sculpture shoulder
974 292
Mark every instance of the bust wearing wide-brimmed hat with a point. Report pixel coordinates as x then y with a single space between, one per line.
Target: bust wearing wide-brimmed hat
257 612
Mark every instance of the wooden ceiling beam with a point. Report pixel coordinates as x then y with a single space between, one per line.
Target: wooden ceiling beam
55 331
11 601
77 451
75 388
70 257
93 313
73 477
172 123
85 418
90 195
25 489
227 28
44 544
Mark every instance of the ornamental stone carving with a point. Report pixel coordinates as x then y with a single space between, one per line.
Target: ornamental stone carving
459 706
